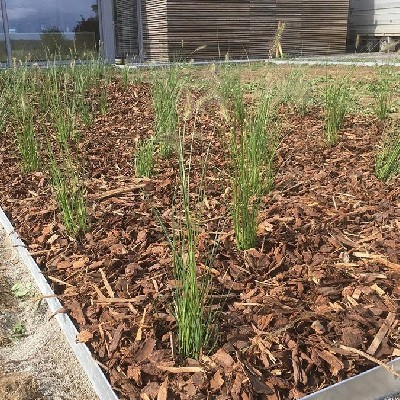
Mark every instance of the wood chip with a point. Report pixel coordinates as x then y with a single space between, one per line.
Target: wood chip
180 370
106 283
390 319
117 300
163 392
377 258
125 189
53 279
378 290
139 332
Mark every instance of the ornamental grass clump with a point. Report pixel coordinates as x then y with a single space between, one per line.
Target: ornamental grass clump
69 191
231 96
262 144
165 94
387 163
144 157
191 309
25 134
335 106
4 111
383 93
297 92
253 150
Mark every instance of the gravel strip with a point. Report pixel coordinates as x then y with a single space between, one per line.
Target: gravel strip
36 362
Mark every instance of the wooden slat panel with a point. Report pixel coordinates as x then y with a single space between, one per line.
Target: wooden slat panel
126 28
262 27
210 29
155 30
289 12
324 27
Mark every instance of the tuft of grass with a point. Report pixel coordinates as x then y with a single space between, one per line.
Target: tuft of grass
387 163
191 309
102 99
253 150
69 191
27 144
126 76
261 147
231 96
297 92
165 94
4 110
335 105
144 157
383 93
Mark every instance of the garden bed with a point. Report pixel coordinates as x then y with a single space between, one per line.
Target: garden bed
324 273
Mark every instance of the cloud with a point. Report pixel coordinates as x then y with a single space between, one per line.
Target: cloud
20 12
39 13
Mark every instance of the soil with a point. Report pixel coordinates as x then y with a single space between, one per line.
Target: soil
324 273
36 363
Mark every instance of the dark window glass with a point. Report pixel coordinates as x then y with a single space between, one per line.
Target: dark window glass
53 29
3 54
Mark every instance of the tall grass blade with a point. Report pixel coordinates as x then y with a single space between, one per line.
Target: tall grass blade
69 191
336 105
387 163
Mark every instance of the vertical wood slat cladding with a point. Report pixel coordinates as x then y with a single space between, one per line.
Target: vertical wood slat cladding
289 12
205 29
262 27
324 28
126 28
155 30
211 29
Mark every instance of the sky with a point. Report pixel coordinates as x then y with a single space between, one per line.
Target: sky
34 15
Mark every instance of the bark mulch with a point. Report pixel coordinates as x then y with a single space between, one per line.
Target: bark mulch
322 281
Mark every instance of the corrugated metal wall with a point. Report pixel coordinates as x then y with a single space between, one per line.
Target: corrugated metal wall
210 29
374 17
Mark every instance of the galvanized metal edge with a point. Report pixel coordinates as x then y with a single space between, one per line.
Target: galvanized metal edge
293 61
370 385
95 375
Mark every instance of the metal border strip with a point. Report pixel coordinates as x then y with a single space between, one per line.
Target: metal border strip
370 385
95 375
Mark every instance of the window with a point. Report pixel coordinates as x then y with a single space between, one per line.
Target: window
3 53
53 29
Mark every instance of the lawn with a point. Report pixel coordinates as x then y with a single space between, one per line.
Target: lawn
225 232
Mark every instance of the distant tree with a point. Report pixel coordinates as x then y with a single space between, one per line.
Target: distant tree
54 42
89 26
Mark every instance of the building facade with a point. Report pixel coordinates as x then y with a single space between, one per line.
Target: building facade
207 29
167 30
374 24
